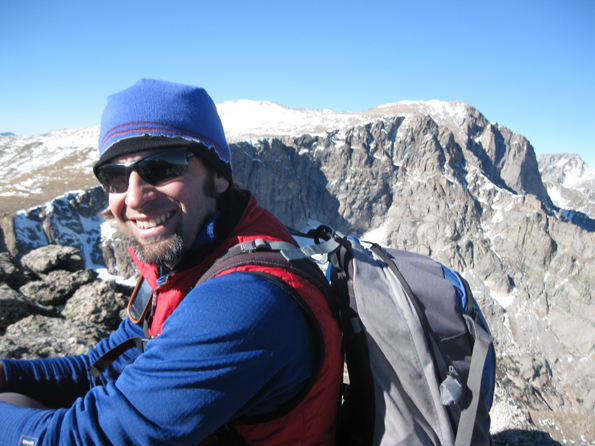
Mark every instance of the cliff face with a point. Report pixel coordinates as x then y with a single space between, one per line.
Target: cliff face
441 181
72 219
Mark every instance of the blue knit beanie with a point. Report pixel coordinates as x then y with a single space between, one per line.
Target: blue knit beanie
157 114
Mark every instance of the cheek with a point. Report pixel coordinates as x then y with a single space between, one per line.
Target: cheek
116 204
185 196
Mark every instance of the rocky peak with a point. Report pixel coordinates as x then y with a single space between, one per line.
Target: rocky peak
569 170
571 185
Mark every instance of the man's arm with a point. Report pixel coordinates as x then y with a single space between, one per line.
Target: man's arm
238 346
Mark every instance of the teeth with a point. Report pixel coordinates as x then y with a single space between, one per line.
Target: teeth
152 223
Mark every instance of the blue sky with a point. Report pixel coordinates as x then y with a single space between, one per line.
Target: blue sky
528 65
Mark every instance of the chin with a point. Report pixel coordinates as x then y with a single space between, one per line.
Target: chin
166 252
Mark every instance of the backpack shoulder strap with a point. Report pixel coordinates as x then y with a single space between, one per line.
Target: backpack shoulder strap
267 255
481 348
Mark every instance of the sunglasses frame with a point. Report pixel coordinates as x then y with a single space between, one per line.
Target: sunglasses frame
133 165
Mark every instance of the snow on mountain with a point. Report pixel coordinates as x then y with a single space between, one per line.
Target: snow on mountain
567 169
570 183
34 169
26 154
244 120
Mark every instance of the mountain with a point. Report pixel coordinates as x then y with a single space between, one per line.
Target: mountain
35 169
431 177
570 184
6 134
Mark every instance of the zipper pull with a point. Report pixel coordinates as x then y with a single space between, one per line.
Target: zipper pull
153 304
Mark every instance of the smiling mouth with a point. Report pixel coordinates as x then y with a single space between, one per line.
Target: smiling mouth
146 224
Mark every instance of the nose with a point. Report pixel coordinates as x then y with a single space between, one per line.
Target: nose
139 192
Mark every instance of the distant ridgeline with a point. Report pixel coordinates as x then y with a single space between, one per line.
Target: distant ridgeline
434 178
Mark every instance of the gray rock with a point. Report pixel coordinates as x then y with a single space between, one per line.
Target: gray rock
12 273
507 414
98 303
57 287
14 307
521 437
43 337
53 257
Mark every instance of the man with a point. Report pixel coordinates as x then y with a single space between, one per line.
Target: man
233 355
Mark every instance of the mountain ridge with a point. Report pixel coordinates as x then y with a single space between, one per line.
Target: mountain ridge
23 175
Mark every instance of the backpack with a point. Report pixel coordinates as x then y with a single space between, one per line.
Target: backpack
418 352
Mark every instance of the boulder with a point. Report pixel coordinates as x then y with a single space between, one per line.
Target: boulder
53 257
57 287
38 336
14 307
11 273
97 302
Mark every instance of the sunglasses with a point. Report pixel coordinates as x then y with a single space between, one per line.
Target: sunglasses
153 169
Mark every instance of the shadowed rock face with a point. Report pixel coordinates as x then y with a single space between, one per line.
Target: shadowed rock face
459 189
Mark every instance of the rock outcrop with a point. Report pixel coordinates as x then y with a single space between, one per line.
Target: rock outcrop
63 312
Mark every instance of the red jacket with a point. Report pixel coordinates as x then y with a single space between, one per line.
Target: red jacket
312 422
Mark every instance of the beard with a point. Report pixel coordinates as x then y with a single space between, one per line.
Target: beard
165 252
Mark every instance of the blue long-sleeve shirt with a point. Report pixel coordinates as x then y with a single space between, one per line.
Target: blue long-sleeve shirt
236 345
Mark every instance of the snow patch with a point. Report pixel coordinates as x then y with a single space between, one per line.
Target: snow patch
103 274
557 198
377 235
505 300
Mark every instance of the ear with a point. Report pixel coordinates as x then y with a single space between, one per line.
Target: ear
221 183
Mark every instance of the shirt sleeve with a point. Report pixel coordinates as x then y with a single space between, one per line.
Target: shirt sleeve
237 345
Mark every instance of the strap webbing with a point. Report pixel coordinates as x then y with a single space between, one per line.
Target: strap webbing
101 365
478 357
311 250
257 245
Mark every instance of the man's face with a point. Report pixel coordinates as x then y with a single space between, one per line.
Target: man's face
163 221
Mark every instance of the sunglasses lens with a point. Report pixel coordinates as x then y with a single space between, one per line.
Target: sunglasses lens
113 177
154 169
162 167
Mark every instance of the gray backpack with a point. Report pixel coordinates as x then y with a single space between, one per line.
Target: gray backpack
419 354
